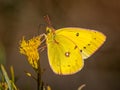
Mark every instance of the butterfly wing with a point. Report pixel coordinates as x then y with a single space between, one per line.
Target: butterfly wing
88 41
64 56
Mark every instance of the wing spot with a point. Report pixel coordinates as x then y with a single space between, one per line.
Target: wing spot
68 65
58 65
56 41
75 47
77 34
67 54
94 38
89 44
80 50
84 47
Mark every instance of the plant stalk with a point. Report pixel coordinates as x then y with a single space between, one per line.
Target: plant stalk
39 76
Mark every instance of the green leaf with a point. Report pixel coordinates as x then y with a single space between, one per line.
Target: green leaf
6 77
12 74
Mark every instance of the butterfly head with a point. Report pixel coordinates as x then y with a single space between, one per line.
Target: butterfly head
50 32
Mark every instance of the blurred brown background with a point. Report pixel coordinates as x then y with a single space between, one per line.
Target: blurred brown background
22 17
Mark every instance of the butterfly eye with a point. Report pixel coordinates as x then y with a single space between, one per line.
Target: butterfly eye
48 30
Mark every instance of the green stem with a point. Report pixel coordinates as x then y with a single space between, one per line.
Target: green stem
39 80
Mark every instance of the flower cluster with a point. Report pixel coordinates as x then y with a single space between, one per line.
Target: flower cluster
30 49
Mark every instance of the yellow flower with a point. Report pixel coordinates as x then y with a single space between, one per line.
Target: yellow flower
3 86
30 49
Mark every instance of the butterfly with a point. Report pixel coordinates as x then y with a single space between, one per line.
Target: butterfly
68 48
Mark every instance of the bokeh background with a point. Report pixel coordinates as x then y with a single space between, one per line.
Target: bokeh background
22 18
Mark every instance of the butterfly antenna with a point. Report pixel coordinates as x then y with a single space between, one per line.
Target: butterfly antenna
47 19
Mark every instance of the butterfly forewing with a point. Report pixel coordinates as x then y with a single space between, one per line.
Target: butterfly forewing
88 41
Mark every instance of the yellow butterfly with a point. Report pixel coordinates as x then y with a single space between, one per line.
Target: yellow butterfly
68 47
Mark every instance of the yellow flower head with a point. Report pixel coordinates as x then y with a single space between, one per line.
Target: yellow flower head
3 86
30 49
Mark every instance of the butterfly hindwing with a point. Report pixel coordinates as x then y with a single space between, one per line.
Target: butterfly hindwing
64 56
